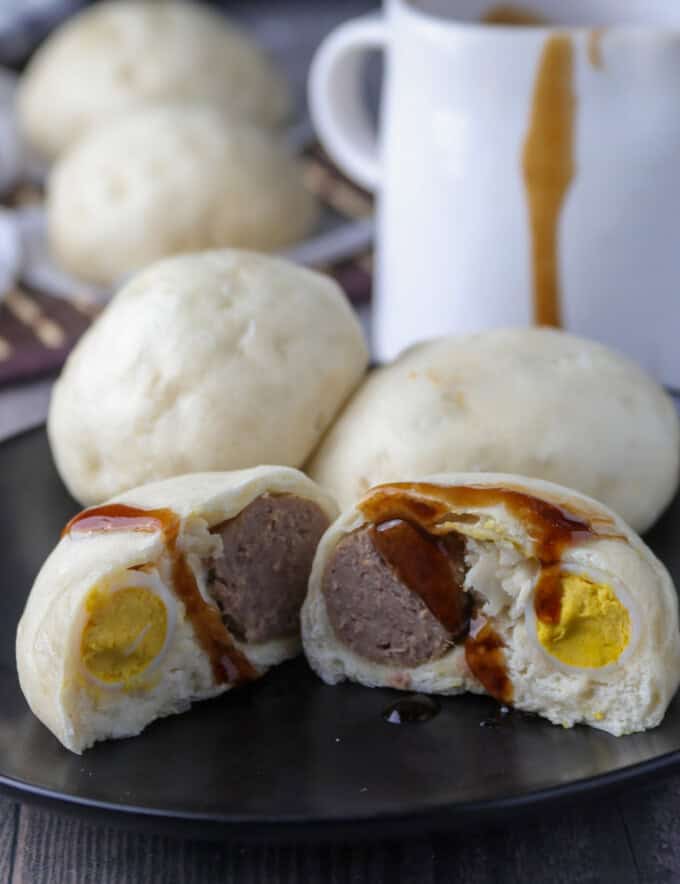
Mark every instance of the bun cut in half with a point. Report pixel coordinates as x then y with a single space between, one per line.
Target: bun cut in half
172 593
497 584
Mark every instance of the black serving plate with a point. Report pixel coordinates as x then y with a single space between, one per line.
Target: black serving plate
288 756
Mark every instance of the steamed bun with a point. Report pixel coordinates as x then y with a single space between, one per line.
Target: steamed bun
127 620
127 54
212 361
519 588
536 402
164 180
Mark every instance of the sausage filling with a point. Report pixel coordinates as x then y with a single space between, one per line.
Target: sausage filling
395 594
260 581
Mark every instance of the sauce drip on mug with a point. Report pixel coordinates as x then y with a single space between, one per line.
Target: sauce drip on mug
595 48
509 14
548 167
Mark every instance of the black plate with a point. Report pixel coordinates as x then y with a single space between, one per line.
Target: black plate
290 756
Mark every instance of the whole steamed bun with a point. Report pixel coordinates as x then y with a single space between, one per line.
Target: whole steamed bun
164 180
212 361
534 402
117 56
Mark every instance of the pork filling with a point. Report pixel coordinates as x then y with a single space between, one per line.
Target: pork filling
395 595
260 581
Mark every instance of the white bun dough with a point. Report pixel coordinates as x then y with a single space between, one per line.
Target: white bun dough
535 402
165 180
58 688
630 695
117 56
214 361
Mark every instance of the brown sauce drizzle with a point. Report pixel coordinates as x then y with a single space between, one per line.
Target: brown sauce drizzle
548 595
508 14
228 664
551 529
485 657
423 564
595 48
548 168
118 517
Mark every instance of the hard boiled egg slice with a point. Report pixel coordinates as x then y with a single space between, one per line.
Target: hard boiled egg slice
128 621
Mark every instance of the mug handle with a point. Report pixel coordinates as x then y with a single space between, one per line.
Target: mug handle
339 116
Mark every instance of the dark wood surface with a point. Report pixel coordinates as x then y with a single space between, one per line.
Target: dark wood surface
632 838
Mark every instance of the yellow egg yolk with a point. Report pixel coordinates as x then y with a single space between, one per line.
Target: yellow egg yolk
124 632
594 627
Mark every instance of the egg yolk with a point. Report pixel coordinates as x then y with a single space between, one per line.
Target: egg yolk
594 627
124 632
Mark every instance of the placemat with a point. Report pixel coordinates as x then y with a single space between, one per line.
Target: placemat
38 328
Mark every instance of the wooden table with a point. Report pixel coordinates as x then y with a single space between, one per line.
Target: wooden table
631 837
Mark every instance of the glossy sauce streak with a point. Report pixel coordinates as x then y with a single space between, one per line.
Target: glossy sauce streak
548 167
508 14
550 526
229 665
486 658
423 564
551 529
548 595
595 48
118 517
501 717
415 709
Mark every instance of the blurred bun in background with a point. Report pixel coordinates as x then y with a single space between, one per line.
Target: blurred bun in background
163 180
116 56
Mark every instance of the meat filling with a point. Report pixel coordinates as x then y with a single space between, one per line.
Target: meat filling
395 596
260 581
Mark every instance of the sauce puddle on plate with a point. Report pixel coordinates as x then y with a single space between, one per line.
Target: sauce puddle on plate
414 709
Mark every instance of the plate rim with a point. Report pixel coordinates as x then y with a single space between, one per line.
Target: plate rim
438 818
231 826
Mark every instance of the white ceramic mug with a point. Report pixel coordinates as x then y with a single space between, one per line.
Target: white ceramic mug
526 174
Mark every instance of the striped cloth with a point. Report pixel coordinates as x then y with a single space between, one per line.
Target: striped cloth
39 324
